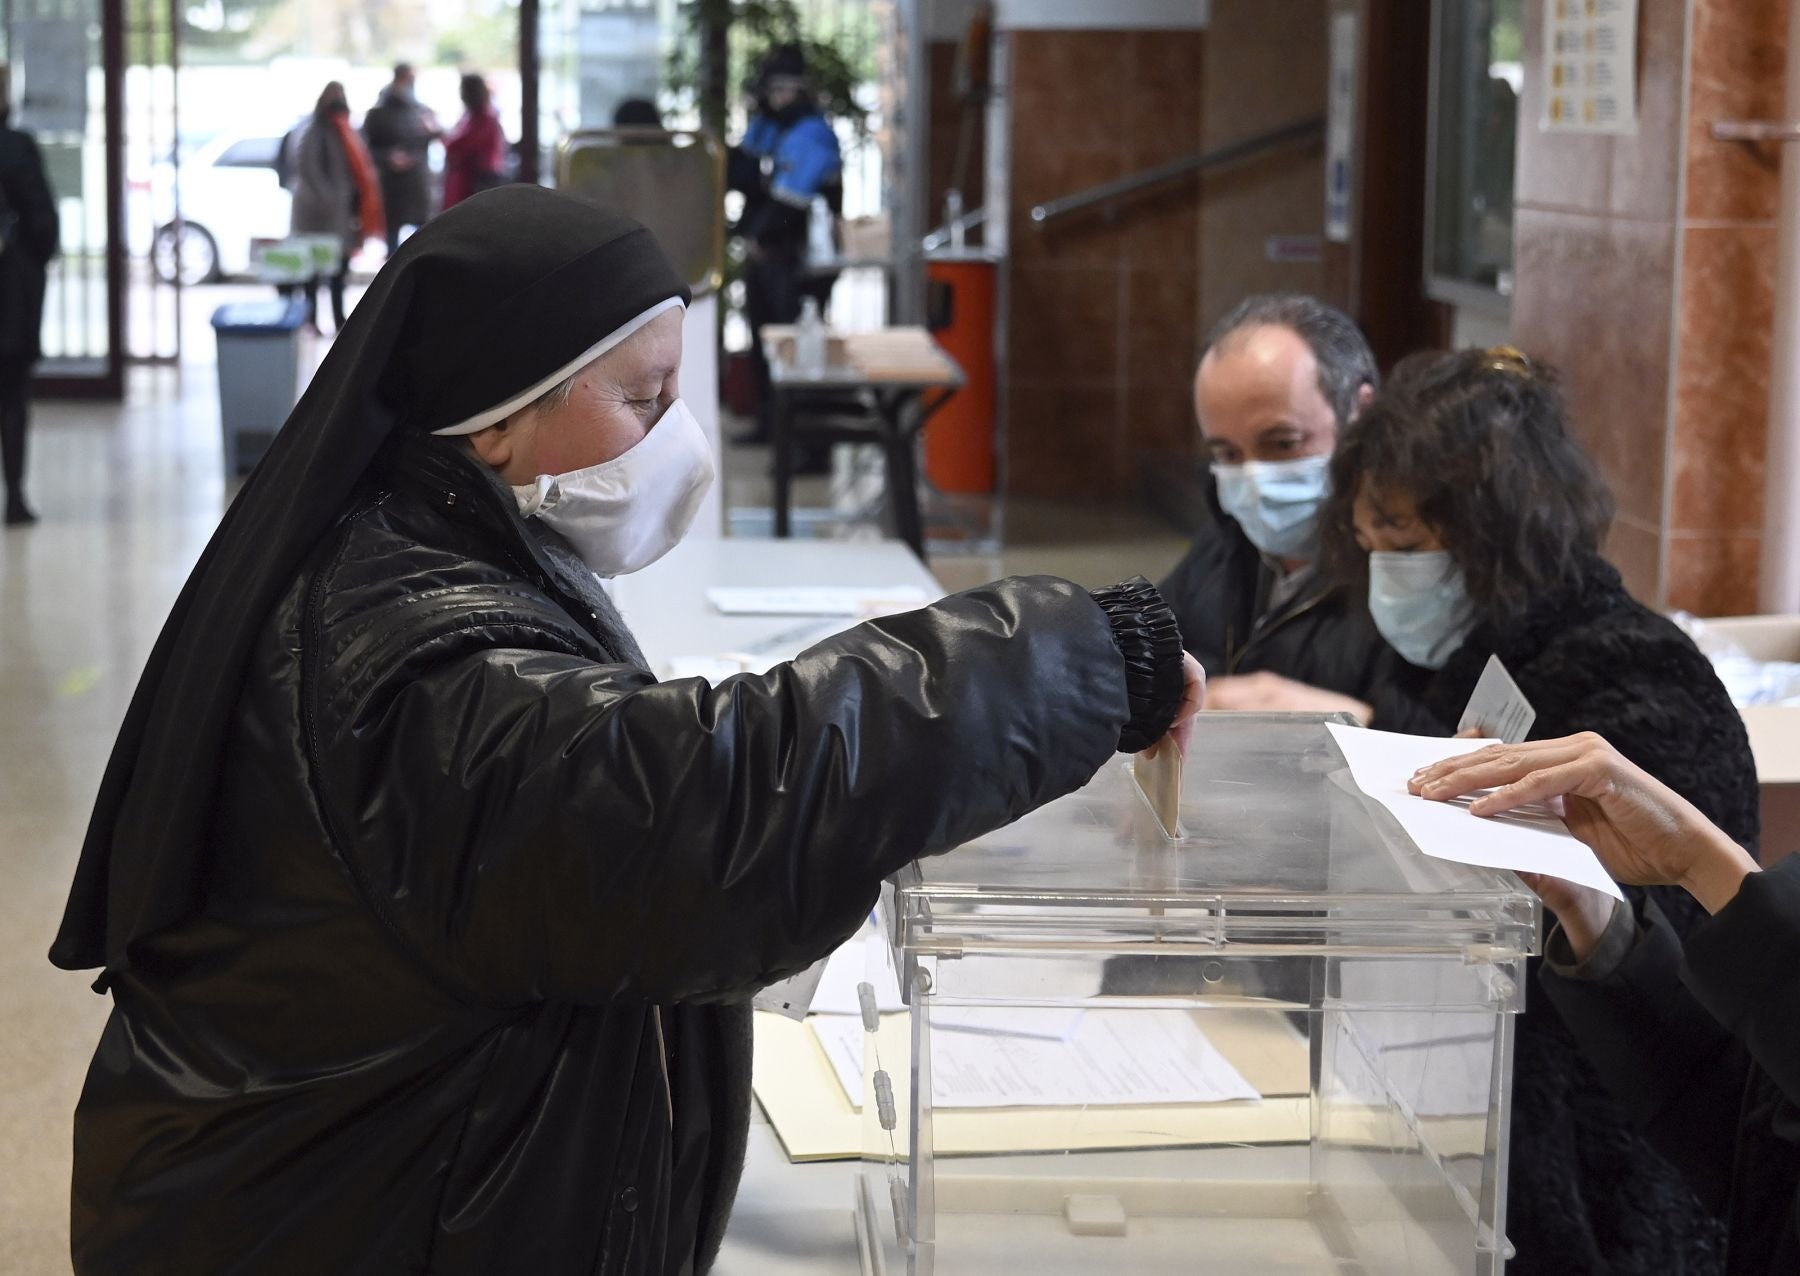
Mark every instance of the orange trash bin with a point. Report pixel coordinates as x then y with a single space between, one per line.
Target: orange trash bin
959 440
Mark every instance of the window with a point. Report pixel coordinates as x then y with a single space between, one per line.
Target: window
1477 73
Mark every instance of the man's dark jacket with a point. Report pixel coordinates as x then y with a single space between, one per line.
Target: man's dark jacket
1700 1042
485 901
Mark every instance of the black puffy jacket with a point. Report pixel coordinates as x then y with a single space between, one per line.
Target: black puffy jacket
1587 1194
485 901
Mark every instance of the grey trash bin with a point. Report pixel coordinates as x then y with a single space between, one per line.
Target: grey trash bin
259 374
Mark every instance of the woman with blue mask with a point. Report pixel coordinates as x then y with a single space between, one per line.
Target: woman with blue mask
1466 513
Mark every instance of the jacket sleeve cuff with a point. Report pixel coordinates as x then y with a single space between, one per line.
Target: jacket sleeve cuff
1614 946
1145 632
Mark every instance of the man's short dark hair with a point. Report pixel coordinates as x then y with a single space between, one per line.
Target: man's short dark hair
1346 364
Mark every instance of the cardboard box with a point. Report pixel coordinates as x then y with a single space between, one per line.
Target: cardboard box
1774 732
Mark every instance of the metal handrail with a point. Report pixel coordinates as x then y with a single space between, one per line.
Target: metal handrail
1287 135
941 237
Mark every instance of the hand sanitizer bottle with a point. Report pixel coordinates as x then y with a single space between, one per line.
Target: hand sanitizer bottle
809 341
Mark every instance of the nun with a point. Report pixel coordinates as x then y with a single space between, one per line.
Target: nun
430 918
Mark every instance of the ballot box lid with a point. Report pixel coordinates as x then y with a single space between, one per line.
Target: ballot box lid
1280 855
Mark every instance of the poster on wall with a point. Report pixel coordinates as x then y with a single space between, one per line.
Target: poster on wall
1340 126
1590 66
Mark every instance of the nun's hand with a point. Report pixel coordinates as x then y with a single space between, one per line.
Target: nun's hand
1271 693
1193 699
1645 833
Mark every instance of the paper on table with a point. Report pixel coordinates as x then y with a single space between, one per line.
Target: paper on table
849 966
793 996
1532 840
799 1089
1114 1057
816 600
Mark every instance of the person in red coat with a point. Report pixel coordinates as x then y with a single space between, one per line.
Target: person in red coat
475 150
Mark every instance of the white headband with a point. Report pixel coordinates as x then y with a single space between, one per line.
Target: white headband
500 411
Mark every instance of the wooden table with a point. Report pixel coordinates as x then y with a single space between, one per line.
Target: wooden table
897 377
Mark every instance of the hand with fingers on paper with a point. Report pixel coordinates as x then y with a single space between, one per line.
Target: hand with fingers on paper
1644 833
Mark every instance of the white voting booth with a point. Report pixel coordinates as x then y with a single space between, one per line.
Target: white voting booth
1279 1044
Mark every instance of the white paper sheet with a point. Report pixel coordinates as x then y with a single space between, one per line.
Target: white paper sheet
1531 840
792 997
848 967
1112 1058
810 600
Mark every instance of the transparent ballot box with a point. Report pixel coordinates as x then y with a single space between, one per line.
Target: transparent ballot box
1280 1042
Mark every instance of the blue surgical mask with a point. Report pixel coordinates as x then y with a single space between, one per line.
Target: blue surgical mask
1421 605
1277 502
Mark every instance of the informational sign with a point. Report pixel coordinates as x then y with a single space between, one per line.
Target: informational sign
1340 126
1590 66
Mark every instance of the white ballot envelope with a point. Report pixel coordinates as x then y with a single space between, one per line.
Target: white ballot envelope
1157 771
1498 708
1529 840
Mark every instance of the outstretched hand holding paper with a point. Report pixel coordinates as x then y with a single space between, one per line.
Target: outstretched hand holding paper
1525 841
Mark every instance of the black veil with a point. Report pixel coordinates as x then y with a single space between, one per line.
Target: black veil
490 298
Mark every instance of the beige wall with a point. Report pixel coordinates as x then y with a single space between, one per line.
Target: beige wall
1106 316
1265 66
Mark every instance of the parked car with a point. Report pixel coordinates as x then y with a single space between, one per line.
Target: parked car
230 198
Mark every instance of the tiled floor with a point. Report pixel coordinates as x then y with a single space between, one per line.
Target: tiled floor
129 495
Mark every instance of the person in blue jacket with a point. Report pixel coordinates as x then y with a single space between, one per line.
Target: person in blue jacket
788 157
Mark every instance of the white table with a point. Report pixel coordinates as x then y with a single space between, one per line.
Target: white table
790 1220
666 607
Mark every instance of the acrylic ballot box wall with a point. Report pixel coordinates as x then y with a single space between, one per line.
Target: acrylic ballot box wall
1281 1043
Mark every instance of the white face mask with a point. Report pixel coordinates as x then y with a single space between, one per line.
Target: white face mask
624 514
1277 502
1421 605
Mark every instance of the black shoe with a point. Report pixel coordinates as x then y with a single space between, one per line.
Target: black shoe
18 514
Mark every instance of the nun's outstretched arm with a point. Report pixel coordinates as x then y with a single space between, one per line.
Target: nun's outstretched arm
590 834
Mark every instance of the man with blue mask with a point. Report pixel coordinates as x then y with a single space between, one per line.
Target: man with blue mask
1282 374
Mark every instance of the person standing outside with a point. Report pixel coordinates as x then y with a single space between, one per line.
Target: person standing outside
399 133
29 229
475 150
335 191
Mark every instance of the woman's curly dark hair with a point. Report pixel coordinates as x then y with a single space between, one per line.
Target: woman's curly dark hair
1479 441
